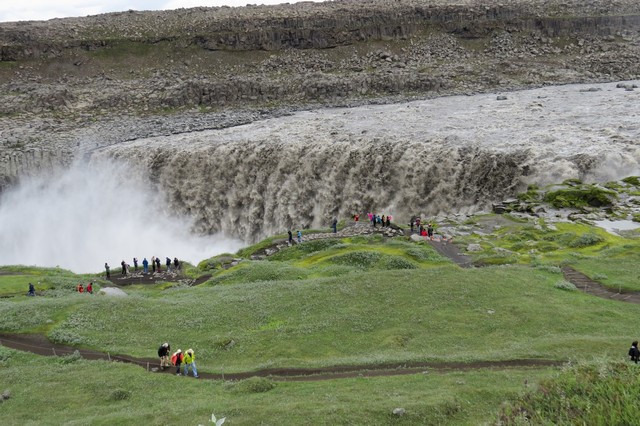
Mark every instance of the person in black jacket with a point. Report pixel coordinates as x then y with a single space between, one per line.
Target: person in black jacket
634 352
163 353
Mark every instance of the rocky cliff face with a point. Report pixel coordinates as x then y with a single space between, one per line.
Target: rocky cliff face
72 87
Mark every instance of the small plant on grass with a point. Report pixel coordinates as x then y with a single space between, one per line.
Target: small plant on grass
120 395
65 337
549 268
565 285
252 385
359 259
586 240
397 262
217 422
71 358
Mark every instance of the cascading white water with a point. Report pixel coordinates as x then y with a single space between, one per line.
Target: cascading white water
94 213
449 154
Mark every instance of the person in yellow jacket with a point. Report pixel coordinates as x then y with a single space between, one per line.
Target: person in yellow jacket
190 360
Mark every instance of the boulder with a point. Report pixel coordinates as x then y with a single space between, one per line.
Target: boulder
112 291
399 411
474 247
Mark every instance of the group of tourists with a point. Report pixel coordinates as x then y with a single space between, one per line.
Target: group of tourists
156 265
298 235
81 289
178 359
376 219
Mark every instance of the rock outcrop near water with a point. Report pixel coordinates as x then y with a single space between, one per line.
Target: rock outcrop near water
75 88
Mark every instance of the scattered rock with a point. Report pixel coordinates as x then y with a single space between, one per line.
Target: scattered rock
5 395
112 291
399 412
501 98
474 247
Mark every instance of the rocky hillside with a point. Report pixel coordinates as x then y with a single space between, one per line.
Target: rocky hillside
333 52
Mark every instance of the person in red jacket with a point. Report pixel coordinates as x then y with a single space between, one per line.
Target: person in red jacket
80 288
176 359
90 288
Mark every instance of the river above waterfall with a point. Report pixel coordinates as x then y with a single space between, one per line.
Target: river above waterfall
454 154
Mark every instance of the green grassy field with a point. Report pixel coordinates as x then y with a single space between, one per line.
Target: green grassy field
102 393
351 301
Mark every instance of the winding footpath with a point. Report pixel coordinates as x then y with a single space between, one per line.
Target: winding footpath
39 344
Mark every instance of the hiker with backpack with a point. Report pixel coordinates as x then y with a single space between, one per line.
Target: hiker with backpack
176 359
634 352
163 353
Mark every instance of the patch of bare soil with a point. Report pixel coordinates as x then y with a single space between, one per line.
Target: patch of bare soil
452 252
39 344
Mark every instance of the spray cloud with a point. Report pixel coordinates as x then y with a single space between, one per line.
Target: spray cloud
94 213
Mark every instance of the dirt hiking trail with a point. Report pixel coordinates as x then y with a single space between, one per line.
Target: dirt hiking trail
40 345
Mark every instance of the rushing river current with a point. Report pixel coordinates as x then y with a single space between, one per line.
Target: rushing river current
177 195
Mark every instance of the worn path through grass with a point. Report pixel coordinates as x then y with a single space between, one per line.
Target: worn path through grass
40 345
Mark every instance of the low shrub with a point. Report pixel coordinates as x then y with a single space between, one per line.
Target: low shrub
398 262
531 196
253 271
65 337
422 253
565 285
358 259
325 270
549 268
632 180
546 246
71 358
594 394
216 262
586 240
252 385
579 197
120 395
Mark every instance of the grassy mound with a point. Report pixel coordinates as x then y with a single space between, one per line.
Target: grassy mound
591 394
